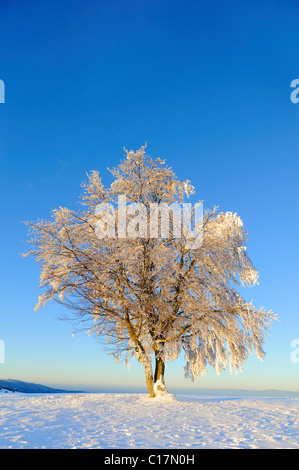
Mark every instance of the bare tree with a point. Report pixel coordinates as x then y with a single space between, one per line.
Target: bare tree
151 297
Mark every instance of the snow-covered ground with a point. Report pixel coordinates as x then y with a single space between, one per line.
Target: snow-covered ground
110 420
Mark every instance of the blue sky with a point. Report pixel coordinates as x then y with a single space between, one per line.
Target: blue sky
207 86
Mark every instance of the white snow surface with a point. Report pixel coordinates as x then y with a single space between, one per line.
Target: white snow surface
122 421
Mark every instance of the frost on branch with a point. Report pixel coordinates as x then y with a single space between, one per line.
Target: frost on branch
151 298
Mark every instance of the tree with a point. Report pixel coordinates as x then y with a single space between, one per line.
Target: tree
151 296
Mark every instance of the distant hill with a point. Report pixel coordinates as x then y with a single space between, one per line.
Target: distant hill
28 387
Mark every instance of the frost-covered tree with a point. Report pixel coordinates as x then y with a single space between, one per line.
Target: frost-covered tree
151 297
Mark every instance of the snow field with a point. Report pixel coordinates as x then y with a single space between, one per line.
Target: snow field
124 421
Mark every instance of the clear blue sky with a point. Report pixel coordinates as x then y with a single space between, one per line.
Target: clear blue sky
207 86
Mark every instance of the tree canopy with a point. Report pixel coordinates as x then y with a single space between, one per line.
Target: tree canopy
151 296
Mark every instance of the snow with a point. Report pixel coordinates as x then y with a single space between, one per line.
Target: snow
124 421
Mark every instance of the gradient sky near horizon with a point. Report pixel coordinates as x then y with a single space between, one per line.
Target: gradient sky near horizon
207 86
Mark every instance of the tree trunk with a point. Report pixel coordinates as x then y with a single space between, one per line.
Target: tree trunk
159 382
150 381
156 384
